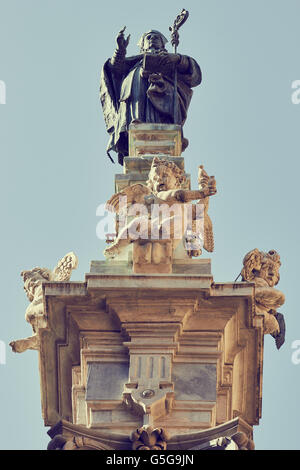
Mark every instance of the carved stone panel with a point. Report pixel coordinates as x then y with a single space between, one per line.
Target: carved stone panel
194 381
106 381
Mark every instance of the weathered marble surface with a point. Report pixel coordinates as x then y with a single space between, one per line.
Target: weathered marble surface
106 381
154 139
194 381
200 266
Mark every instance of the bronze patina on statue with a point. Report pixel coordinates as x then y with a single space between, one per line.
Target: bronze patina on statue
154 86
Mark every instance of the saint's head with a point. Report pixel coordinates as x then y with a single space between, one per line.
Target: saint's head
152 41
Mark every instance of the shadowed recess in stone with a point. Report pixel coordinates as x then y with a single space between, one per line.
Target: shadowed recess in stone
106 381
194 381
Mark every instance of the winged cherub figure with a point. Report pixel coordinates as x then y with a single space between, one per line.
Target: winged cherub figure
33 285
263 269
156 206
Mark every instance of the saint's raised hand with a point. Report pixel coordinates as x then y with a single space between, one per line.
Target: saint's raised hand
121 41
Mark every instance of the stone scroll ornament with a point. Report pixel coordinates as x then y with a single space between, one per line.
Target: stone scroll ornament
33 285
149 438
154 86
163 188
263 269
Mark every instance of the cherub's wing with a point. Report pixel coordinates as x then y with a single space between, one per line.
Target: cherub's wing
113 203
208 244
126 197
280 337
63 270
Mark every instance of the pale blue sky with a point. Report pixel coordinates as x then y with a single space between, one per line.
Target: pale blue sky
242 126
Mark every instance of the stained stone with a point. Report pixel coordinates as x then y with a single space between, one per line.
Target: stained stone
105 381
194 381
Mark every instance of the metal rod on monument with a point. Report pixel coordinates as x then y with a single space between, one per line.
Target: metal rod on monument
179 21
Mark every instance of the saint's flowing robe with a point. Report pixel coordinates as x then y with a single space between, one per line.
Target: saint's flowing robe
128 94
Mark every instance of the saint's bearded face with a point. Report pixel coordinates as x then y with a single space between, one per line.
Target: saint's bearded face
153 42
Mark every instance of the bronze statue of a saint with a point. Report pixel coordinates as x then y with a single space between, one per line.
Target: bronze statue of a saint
141 88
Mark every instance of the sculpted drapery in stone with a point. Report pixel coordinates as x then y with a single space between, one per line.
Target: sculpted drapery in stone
141 88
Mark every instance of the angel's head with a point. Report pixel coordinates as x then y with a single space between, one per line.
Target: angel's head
258 264
270 264
33 279
164 175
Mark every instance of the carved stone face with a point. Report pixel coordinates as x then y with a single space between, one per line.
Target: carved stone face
162 179
33 280
260 265
269 272
152 41
30 286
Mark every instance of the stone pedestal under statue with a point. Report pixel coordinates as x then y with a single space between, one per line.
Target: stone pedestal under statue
148 352
174 351
152 350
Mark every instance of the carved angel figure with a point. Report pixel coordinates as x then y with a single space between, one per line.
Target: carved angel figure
263 269
33 285
160 204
